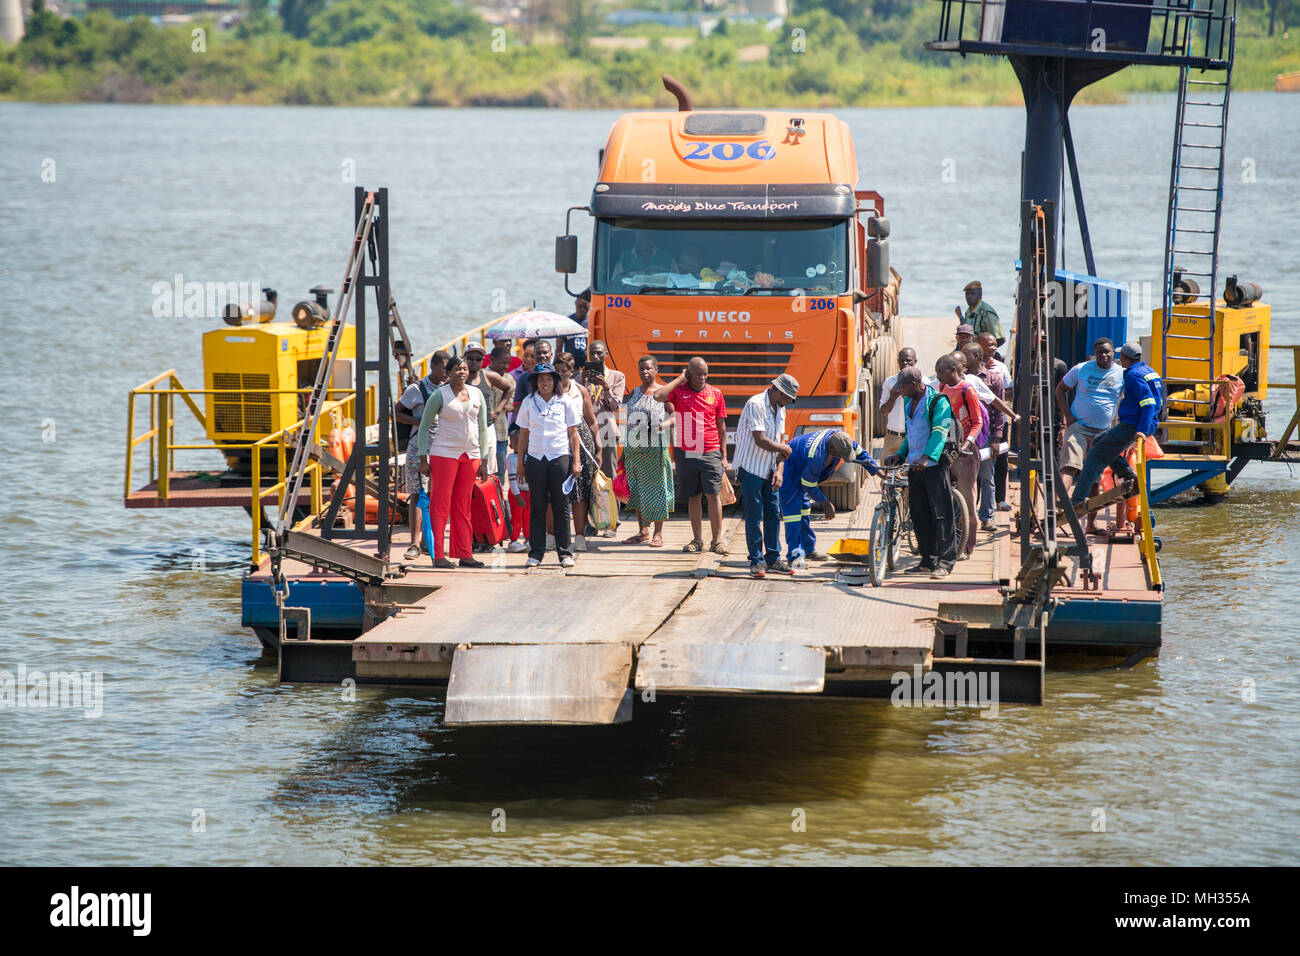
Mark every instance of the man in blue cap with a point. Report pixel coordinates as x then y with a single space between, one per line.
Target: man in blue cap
814 456
1139 416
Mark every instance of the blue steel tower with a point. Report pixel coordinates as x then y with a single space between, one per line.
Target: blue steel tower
1058 47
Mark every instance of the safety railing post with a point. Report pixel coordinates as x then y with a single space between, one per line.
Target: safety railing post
171 433
280 466
160 445
1146 532
130 441
256 507
153 432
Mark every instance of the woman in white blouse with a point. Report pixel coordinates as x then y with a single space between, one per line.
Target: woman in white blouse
578 395
548 432
455 460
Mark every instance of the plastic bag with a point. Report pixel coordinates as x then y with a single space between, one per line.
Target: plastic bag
728 496
603 514
621 490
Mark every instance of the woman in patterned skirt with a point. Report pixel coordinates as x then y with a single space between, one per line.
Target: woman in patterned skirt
577 394
647 456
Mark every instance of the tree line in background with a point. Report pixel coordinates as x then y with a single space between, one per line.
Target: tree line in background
438 53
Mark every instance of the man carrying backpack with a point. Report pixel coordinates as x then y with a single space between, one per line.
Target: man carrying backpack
927 419
972 431
1139 416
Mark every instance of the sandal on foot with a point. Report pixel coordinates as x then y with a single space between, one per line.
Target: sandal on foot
694 547
657 541
637 538
717 548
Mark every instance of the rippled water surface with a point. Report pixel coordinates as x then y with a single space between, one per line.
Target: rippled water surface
1184 769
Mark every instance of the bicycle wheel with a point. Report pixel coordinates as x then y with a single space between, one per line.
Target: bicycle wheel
905 528
878 540
895 536
961 519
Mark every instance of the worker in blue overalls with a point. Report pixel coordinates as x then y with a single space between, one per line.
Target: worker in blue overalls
1139 416
814 456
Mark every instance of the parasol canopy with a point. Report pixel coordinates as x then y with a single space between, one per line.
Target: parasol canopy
534 324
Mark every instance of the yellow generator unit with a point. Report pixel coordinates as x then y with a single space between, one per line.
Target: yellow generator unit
1240 345
263 364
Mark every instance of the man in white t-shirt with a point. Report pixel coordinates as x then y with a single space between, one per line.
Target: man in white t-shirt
1098 386
891 402
408 410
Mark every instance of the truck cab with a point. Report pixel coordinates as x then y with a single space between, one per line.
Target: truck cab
740 237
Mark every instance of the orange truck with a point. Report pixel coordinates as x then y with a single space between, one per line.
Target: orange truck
739 236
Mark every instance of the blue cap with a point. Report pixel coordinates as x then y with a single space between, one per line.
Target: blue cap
543 368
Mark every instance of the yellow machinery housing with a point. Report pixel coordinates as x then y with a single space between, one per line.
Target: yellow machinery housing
1240 345
265 367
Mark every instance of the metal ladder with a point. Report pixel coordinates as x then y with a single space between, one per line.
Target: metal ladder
397 333
320 389
1195 213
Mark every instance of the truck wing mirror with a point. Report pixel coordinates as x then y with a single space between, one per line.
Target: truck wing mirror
877 263
566 254
878 227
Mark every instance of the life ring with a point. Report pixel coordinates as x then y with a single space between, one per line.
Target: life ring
372 508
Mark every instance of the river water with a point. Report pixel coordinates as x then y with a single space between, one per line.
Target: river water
200 757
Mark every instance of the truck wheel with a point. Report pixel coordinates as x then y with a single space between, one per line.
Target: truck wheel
884 363
845 497
866 418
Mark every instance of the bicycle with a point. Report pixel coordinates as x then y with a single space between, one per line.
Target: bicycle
894 493
887 524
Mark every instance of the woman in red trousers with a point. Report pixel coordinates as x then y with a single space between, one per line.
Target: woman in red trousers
455 459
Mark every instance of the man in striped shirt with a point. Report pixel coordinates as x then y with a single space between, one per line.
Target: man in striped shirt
760 449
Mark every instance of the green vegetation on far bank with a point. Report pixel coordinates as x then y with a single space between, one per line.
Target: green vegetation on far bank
437 53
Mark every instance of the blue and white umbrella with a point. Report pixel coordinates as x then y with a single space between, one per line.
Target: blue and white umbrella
534 324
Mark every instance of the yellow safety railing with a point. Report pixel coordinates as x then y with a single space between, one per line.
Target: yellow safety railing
314 469
1146 532
1219 434
161 434
161 392
1280 445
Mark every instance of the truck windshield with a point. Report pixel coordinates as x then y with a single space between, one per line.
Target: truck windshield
721 258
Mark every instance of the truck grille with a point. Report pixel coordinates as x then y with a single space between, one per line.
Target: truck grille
241 414
731 364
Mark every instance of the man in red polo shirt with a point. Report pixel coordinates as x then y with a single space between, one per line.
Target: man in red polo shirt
701 447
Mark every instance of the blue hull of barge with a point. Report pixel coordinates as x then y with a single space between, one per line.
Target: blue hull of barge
1106 622
336 606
